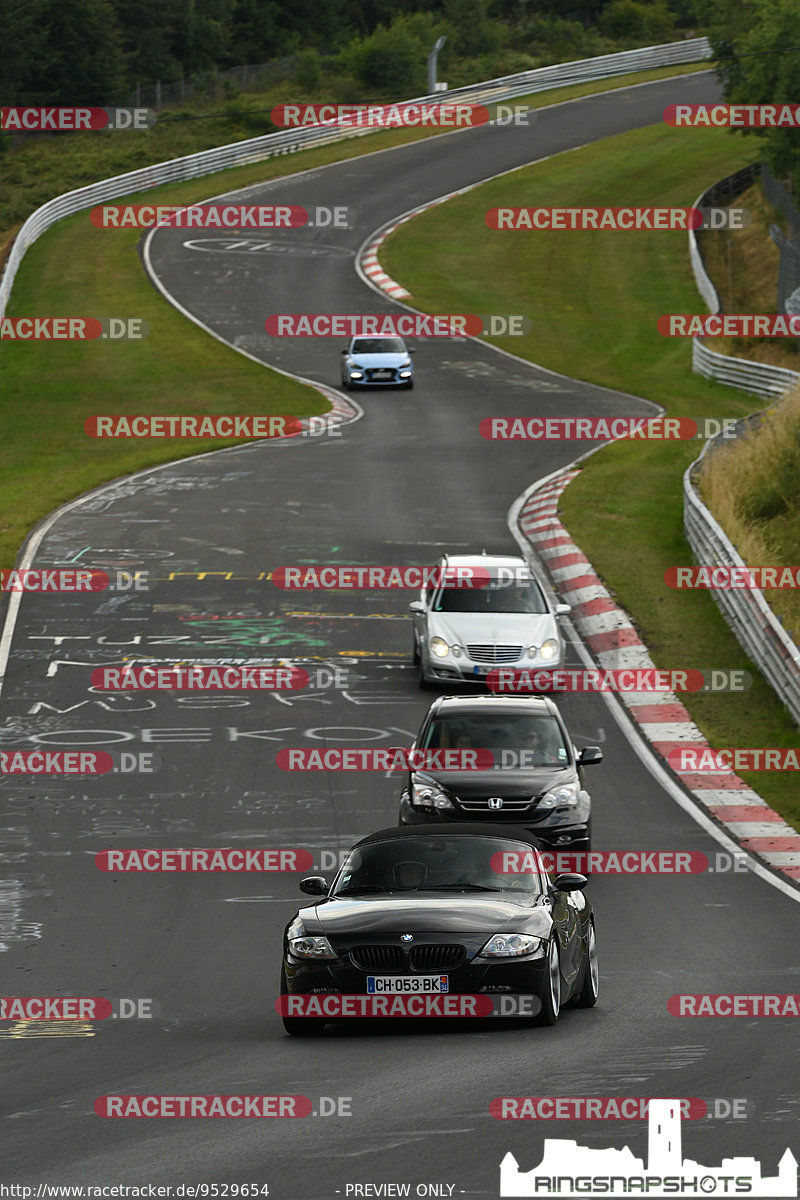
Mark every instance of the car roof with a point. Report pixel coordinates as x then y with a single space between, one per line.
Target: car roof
485 560
376 337
492 703
512 833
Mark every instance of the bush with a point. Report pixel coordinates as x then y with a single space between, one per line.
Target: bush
390 62
308 71
632 20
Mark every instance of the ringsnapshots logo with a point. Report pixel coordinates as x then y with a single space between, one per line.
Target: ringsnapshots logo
570 1170
74 120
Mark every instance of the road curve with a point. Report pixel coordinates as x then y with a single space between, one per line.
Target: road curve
408 479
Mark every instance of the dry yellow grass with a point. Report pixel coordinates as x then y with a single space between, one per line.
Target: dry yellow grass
743 266
752 487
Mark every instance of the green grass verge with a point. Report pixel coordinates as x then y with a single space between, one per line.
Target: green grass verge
74 269
594 299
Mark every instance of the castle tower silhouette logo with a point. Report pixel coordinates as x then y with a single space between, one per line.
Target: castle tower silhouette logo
568 1169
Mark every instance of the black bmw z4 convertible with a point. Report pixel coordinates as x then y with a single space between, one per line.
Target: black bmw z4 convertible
450 920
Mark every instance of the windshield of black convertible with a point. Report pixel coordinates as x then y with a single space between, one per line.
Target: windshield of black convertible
441 864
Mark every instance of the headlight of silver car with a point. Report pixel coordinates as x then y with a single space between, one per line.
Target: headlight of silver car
563 796
439 647
512 945
426 793
311 947
549 648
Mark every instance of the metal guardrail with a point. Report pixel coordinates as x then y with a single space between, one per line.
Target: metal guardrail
756 627
759 378
252 150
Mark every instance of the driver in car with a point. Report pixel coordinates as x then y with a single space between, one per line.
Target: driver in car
410 875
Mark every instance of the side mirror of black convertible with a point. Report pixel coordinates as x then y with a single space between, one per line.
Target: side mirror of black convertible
314 885
569 882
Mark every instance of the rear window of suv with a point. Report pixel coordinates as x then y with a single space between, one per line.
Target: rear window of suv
541 736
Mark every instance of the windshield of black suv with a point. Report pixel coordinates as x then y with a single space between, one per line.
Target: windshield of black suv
440 864
530 741
388 345
495 596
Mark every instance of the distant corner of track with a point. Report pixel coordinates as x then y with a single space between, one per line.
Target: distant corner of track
344 409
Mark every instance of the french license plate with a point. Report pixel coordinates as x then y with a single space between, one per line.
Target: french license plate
395 985
480 670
